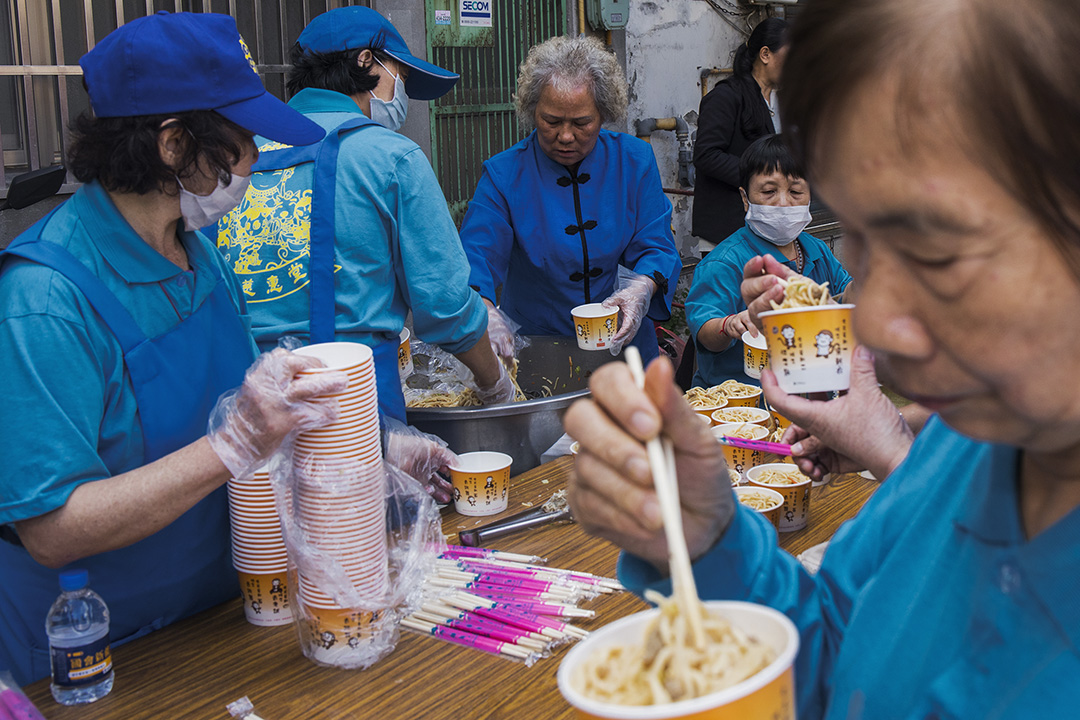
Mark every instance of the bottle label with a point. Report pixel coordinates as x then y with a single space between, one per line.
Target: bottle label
82 664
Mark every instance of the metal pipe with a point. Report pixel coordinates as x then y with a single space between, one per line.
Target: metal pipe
581 17
644 127
706 73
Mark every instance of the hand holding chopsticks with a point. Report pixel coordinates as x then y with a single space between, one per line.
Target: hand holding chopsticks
612 492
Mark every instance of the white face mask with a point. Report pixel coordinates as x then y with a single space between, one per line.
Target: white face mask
200 211
779 225
391 115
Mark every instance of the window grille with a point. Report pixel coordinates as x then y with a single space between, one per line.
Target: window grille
41 42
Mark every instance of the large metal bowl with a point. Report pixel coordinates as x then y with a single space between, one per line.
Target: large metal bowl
522 430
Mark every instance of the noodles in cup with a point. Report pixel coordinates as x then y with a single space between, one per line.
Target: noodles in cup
802 292
768 476
734 388
700 397
757 500
667 667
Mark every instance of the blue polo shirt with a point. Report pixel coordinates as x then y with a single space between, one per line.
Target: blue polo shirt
931 603
714 293
69 408
396 248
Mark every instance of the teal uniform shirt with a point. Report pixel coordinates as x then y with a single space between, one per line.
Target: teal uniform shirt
69 411
931 603
714 293
396 247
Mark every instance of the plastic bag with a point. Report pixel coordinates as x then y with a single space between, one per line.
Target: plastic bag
441 380
360 542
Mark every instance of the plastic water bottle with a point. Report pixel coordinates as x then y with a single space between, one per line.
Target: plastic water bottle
78 629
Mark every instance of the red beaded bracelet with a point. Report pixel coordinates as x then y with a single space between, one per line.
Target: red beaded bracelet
724 324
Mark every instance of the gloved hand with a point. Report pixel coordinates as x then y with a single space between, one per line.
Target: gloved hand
248 424
500 333
420 455
633 300
501 392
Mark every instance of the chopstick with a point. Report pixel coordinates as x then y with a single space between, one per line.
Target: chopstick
662 463
762 445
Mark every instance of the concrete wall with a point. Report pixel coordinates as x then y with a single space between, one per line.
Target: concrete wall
667 44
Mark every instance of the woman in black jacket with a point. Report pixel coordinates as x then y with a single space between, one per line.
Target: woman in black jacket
739 110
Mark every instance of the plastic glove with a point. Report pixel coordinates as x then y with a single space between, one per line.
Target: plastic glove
501 392
420 455
500 334
248 424
633 300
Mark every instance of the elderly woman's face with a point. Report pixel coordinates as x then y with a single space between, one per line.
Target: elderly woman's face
964 299
567 123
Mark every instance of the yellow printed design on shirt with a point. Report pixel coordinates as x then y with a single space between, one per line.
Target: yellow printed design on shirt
266 238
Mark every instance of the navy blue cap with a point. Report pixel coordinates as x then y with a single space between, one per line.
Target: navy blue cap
357 28
176 62
74 579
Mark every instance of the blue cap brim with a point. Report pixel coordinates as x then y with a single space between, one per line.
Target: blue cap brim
267 116
426 81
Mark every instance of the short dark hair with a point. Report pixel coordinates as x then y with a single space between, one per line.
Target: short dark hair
122 152
1011 77
767 155
771 33
337 71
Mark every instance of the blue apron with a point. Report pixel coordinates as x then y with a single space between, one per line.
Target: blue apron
321 324
185 567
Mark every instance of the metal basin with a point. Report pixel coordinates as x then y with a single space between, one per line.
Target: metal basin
522 430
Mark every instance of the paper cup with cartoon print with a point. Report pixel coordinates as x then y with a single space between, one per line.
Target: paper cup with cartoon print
266 597
810 348
769 693
763 500
755 354
481 482
796 494
404 354
742 459
595 325
743 395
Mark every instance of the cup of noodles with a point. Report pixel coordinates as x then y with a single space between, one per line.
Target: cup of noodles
742 459
740 394
763 500
810 348
755 354
595 325
752 415
788 480
767 693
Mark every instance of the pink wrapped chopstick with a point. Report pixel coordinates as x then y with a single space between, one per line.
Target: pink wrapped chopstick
762 445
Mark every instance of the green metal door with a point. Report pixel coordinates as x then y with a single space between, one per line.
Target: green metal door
476 119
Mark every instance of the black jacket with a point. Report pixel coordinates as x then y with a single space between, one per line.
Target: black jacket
732 115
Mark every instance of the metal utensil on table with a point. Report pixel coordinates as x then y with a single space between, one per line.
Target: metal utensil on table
553 511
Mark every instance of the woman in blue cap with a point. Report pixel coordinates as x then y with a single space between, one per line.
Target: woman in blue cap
342 240
119 329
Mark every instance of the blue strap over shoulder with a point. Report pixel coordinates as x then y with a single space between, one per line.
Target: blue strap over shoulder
324 155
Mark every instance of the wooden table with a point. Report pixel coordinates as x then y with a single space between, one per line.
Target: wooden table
193 668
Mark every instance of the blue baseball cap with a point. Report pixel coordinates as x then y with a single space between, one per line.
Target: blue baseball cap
177 62
356 28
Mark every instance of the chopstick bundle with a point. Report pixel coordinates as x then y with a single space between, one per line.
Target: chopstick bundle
513 607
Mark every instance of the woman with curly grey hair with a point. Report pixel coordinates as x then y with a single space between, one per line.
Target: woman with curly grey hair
555 216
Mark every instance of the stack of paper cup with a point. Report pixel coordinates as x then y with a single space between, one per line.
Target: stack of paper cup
259 551
340 504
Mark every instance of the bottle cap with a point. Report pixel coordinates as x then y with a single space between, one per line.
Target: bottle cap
74 580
